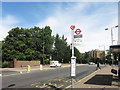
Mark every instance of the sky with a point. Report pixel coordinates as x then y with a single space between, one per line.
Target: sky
91 17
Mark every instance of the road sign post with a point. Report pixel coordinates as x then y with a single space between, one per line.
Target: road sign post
75 39
73 58
73 66
73 69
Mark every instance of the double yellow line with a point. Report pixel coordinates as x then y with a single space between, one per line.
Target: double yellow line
82 79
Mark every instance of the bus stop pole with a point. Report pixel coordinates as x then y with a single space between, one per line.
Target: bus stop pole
72 35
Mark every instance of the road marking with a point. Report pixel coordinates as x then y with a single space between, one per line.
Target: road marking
68 86
82 79
86 77
55 85
37 86
68 80
49 84
35 83
60 86
12 74
43 86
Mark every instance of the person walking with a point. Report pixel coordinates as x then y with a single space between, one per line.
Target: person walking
98 66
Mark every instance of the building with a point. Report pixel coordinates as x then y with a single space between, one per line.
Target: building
97 53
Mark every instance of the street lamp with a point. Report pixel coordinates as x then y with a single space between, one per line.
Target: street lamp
111 36
111 33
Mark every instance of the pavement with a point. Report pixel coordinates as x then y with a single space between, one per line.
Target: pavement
45 67
31 68
14 71
101 78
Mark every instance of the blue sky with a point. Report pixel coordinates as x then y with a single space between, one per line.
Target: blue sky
91 17
30 13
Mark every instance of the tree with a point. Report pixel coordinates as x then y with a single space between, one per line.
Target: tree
27 44
0 54
108 57
48 40
87 57
78 55
62 51
60 48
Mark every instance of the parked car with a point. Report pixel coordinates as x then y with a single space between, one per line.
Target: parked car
91 63
55 64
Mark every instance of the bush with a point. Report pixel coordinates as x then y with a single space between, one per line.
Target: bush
5 64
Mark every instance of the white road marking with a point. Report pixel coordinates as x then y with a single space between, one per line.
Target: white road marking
11 74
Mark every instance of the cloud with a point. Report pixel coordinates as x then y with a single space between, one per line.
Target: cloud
7 24
92 23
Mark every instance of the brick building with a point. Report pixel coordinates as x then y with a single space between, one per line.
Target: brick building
96 53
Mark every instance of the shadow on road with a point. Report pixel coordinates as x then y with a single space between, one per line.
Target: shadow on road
11 85
100 80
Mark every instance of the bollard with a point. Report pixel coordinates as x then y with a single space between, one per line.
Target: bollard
28 67
41 68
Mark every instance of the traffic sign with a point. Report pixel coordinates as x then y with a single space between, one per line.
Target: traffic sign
78 37
78 31
72 27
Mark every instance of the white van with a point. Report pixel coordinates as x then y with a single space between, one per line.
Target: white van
55 64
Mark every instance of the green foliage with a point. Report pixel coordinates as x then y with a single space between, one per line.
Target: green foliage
0 64
36 44
5 64
46 61
79 56
87 57
112 57
108 57
61 50
0 54
27 44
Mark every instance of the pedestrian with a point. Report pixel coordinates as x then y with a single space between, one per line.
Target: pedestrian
98 66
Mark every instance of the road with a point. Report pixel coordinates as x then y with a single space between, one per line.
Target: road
53 78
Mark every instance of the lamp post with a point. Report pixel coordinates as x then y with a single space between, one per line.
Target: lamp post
111 33
112 37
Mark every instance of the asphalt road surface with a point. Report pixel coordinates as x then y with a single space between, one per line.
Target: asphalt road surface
52 78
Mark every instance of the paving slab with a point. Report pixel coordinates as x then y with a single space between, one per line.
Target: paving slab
102 78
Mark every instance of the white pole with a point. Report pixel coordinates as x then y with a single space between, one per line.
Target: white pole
72 37
72 43
111 37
